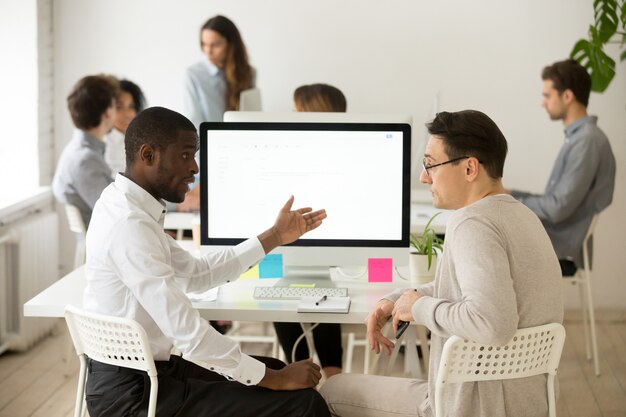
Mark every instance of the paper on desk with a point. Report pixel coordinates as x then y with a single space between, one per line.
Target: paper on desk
210 295
329 305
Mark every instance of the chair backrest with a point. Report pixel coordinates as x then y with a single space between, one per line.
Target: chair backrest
75 220
531 351
112 340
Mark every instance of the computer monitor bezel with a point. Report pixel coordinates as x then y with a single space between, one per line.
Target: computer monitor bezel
402 242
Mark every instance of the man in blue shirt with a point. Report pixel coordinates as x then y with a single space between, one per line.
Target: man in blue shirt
82 172
583 177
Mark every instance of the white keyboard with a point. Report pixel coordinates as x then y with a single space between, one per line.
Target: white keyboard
295 293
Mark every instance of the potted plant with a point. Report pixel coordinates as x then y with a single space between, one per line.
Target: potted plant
423 253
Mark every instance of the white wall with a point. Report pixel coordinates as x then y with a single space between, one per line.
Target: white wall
387 57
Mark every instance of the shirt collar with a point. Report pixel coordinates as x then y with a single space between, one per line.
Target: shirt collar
571 128
89 140
155 208
213 70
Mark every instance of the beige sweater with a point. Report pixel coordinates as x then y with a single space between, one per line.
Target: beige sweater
498 273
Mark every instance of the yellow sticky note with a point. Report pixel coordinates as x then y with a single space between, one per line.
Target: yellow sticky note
302 285
252 273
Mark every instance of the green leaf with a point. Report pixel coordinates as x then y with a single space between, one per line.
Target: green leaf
598 63
622 57
606 20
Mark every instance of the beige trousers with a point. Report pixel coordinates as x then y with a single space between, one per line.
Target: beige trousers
358 395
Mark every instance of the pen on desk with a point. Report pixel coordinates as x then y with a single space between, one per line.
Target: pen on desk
320 300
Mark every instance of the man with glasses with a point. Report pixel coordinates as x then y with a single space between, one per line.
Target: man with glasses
583 177
498 272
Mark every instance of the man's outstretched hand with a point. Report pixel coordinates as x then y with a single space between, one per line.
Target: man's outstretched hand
290 225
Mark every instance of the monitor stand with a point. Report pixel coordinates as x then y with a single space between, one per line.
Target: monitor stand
319 275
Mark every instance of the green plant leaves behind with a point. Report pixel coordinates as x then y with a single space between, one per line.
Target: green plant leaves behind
591 55
428 242
606 18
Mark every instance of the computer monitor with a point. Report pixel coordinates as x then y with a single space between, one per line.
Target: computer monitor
358 172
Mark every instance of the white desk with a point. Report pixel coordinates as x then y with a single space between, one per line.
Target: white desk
234 302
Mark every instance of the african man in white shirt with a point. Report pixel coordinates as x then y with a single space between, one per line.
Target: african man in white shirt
137 271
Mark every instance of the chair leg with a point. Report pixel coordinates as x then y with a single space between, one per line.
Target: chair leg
349 353
366 357
584 308
592 324
69 353
79 407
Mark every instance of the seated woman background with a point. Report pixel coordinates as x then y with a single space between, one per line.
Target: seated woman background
128 102
327 336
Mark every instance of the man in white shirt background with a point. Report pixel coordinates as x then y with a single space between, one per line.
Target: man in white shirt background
135 270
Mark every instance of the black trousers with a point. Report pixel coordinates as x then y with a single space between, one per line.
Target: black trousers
326 337
189 390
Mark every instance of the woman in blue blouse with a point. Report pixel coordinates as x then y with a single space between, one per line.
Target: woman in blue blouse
213 85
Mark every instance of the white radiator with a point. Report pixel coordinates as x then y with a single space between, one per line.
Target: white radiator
29 263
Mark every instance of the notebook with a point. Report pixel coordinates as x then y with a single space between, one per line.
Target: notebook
324 305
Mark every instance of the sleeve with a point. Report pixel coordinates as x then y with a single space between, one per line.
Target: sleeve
215 268
487 308
191 100
561 199
426 289
144 267
92 177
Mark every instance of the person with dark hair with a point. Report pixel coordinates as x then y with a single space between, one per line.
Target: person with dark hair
82 172
129 101
326 336
583 177
213 85
497 273
319 98
135 270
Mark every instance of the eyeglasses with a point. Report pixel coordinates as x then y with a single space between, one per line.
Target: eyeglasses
427 167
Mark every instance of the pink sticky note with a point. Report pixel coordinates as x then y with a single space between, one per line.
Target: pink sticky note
379 269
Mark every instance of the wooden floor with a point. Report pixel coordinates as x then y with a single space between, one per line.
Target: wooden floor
33 383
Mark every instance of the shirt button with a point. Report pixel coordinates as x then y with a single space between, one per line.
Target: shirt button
227 281
248 381
212 368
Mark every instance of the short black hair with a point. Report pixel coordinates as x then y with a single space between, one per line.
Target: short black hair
569 75
135 92
471 133
155 126
90 98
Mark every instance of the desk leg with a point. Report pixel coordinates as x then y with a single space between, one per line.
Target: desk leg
411 359
308 335
421 335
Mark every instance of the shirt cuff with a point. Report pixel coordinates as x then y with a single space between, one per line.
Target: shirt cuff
249 253
423 311
249 371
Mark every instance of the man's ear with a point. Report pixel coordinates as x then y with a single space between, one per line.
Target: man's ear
147 154
568 96
471 168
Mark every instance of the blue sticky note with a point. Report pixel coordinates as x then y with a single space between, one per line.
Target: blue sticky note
271 266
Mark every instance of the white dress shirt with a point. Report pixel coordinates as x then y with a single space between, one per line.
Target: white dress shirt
136 270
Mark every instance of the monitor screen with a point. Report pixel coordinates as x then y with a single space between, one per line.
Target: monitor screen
357 172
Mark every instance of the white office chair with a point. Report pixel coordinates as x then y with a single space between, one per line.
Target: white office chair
238 333
531 351
583 278
111 340
75 221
